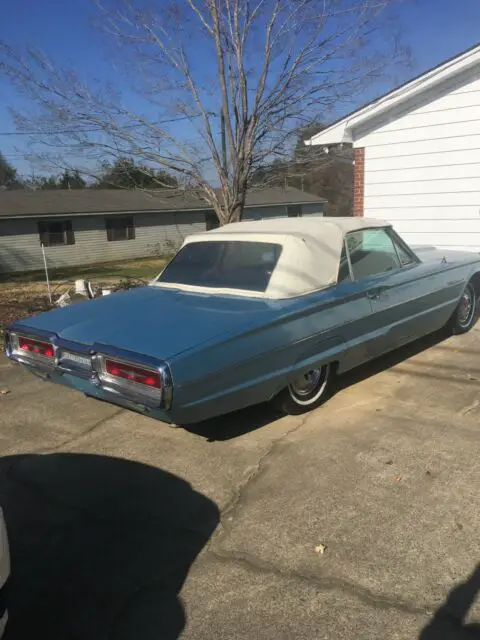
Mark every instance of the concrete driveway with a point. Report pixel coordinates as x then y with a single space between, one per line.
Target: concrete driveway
359 520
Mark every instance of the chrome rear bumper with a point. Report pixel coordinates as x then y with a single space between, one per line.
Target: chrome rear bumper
82 361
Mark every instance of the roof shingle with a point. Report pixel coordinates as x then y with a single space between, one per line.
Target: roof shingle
28 204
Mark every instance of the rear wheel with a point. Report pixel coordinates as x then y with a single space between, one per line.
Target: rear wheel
308 391
465 314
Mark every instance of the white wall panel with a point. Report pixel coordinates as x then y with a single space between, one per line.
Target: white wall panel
391 163
406 202
424 187
423 174
418 134
396 147
432 214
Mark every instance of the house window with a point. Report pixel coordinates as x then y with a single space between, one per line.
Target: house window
294 210
56 233
211 221
120 228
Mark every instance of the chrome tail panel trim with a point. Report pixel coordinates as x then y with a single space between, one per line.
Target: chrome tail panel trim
87 362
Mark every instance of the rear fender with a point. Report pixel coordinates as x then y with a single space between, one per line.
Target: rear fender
319 351
475 277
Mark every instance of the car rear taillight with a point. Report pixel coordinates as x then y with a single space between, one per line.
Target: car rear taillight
149 385
132 373
35 347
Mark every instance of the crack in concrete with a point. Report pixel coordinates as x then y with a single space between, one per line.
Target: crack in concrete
255 473
471 407
79 436
325 583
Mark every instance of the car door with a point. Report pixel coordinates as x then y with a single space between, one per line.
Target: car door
424 302
387 271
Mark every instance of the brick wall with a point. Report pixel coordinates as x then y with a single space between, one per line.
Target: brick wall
358 181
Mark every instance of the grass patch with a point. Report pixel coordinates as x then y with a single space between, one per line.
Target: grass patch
25 294
145 268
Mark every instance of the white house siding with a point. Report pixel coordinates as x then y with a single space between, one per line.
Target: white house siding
422 168
159 233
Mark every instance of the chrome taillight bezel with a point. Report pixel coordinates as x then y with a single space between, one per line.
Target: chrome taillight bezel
131 390
36 360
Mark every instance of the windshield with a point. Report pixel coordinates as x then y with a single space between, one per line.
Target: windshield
227 264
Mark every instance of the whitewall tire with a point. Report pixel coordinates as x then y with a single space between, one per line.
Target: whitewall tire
465 315
305 393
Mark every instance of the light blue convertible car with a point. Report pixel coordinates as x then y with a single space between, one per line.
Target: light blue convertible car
250 312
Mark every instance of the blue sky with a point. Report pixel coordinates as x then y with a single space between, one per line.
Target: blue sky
434 29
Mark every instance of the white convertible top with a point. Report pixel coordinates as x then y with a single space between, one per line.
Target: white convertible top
311 249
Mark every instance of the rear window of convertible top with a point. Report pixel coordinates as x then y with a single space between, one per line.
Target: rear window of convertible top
228 264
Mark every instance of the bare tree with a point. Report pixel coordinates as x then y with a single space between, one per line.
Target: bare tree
225 86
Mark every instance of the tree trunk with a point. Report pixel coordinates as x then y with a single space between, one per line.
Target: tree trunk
234 213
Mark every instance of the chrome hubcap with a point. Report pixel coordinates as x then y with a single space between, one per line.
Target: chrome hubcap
465 307
307 383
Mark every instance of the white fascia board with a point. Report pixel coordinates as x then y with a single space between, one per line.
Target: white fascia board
343 130
335 134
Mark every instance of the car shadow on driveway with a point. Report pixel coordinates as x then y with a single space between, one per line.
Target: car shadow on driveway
235 424
100 547
390 360
448 622
238 423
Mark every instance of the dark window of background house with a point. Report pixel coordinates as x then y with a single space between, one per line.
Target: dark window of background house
56 233
120 228
294 210
211 221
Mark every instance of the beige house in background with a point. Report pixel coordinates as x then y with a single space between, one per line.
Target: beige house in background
92 225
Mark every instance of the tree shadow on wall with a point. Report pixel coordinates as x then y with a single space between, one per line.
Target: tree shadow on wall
100 547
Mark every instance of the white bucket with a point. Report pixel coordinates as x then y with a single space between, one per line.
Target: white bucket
80 287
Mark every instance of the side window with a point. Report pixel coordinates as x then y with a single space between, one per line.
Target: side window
344 270
372 252
406 257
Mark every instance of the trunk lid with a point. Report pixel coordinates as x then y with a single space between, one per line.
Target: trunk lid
157 322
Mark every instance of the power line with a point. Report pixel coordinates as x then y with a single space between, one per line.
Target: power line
97 130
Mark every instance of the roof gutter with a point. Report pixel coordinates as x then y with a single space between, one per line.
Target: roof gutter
126 212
